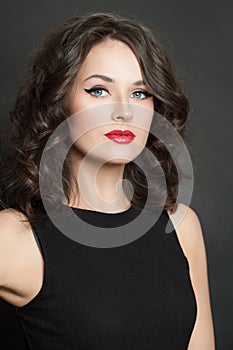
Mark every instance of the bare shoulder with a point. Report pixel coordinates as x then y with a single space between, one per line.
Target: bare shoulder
14 228
189 231
13 234
20 258
12 218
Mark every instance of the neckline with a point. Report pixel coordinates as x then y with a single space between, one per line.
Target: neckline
97 212
104 219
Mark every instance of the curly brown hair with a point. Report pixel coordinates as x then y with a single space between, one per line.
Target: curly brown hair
42 104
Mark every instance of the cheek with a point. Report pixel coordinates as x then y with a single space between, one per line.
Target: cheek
77 104
84 143
79 101
142 137
150 104
85 132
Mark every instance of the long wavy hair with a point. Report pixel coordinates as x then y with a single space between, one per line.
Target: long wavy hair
42 105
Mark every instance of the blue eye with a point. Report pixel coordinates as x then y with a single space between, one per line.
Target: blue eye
141 94
97 92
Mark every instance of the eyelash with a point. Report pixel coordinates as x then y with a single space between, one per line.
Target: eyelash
95 88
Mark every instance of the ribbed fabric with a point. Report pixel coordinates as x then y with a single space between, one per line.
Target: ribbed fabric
135 296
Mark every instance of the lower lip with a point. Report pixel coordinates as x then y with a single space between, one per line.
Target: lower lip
120 139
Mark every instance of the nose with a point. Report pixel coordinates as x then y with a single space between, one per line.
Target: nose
122 110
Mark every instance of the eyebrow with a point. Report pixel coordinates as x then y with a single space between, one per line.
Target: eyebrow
110 80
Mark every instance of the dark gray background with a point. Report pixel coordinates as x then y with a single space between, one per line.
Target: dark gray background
198 35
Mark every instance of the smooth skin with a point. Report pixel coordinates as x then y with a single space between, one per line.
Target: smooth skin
21 262
109 93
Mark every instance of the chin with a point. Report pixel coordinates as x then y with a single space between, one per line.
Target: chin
118 161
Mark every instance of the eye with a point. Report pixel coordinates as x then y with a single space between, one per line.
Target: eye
141 94
97 91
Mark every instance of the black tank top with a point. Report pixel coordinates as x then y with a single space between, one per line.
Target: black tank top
134 296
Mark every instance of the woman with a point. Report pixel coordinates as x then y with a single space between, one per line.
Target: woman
104 72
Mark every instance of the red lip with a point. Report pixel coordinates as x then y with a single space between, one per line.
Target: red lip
120 136
126 133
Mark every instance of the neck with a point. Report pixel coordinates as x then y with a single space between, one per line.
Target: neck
100 185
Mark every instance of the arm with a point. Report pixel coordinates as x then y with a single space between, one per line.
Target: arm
190 235
8 228
15 247
21 262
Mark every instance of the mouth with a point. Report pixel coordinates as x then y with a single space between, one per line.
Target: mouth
121 136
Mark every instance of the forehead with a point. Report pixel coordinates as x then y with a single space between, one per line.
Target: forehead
112 57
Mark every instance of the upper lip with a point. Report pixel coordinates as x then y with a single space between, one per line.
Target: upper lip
121 132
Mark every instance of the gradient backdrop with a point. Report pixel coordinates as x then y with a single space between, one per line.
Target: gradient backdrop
198 35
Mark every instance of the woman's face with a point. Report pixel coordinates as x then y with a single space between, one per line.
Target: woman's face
109 94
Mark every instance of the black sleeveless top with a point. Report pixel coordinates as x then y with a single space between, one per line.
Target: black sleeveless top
134 296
